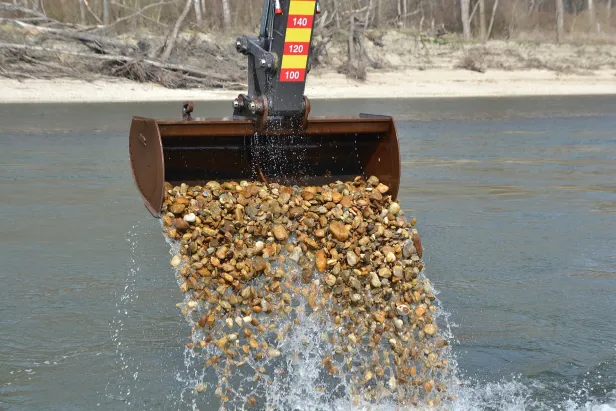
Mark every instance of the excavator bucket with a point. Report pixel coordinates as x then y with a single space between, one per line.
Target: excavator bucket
271 136
323 151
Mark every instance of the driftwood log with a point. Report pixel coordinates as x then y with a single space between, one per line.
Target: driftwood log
193 75
98 44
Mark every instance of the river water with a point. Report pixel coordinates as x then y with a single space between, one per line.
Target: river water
516 205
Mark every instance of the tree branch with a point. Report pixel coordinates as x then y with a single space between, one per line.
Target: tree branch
15 8
174 32
135 14
99 21
473 12
96 41
18 9
106 57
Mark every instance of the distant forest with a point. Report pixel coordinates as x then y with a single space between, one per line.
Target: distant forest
473 19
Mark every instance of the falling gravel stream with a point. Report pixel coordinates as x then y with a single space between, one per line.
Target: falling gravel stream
516 206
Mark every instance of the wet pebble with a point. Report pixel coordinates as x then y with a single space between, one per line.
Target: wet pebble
175 261
352 258
280 233
339 230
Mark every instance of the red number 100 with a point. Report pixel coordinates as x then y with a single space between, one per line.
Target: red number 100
292 75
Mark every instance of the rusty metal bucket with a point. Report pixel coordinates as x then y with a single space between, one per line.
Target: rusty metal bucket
198 151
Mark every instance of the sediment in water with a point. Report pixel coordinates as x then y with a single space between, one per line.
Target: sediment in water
257 261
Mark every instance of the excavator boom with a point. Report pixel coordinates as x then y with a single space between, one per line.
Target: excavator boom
270 136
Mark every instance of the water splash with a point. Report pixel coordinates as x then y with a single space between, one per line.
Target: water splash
272 383
125 298
296 381
307 371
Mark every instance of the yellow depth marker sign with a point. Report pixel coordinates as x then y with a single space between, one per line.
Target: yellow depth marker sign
302 7
297 35
297 40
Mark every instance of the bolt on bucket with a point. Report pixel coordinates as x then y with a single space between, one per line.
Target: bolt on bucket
324 150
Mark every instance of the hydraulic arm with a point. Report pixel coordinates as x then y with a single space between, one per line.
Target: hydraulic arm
278 61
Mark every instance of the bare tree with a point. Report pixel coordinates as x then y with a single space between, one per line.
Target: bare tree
82 12
198 15
337 13
482 19
105 12
560 29
609 11
168 47
592 18
226 14
466 23
492 18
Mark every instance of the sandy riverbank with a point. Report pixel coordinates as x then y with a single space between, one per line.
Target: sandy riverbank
403 83
409 68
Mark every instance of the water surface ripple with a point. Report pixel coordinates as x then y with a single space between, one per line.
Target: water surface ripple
516 202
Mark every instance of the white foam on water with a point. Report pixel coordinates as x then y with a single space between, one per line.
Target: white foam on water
589 406
191 376
513 395
506 395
